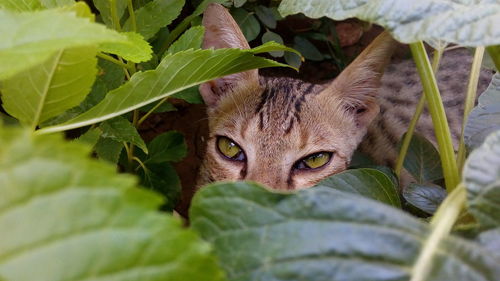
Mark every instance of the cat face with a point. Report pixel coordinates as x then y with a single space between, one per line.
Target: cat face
283 132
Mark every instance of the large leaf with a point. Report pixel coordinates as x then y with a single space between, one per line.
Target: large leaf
30 38
45 91
162 178
485 117
191 39
176 72
110 76
121 130
482 179
66 217
20 6
367 182
155 15
249 25
56 3
469 23
422 160
167 147
137 50
104 7
321 234
426 197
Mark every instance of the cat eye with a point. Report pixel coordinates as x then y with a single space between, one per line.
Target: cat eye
314 161
230 149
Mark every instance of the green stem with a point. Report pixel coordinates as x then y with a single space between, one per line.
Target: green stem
130 156
439 120
405 144
131 13
113 60
140 164
143 118
469 101
114 15
441 225
494 52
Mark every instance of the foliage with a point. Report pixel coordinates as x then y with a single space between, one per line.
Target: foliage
81 220
66 216
324 234
316 40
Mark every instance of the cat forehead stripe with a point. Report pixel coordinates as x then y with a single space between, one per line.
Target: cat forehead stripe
287 94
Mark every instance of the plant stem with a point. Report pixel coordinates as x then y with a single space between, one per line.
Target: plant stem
405 144
140 164
441 225
114 15
143 118
439 120
113 60
129 155
469 101
131 13
494 52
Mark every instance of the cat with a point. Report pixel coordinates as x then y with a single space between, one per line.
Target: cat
288 134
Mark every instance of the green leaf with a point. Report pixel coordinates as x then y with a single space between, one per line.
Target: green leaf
73 218
175 73
422 160
109 77
293 59
491 240
121 130
266 16
426 197
30 38
307 49
108 149
191 95
51 88
239 3
468 23
167 147
91 137
321 234
104 7
482 179
136 50
191 39
162 178
367 182
56 3
271 36
247 23
20 6
155 15
485 117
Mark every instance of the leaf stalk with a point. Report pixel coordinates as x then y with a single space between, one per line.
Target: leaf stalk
439 120
469 101
441 225
405 144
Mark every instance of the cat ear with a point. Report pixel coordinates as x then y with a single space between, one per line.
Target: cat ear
358 84
221 31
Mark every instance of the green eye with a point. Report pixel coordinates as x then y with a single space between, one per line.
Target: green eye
314 161
230 149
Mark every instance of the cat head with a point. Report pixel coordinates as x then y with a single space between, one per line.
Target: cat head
283 132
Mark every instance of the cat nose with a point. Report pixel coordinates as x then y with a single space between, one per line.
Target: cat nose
271 178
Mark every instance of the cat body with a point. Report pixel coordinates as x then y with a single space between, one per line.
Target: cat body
289 134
